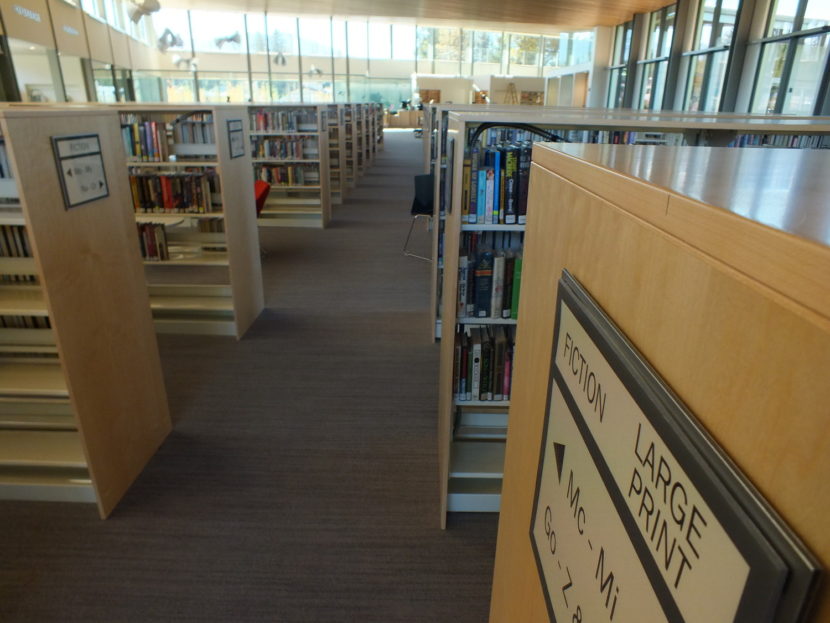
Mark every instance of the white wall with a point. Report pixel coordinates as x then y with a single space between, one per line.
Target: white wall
453 89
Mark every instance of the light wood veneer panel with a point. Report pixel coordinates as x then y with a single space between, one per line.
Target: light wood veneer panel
95 292
749 364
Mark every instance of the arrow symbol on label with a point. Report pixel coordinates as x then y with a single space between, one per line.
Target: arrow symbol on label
69 172
559 451
100 184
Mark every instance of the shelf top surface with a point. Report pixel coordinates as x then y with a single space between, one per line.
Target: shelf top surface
633 120
785 189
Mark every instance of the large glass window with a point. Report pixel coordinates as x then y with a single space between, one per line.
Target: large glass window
380 40
218 33
707 62
715 23
424 42
618 70
524 49
654 67
808 65
36 70
794 58
74 83
403 42
217 86
487 46
705 85
550 51
448 44
172 29
358 39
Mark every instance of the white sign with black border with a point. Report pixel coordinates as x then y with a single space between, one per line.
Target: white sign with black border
236 138
638 516
80 168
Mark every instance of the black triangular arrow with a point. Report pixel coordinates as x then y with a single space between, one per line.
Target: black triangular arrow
69 172
559 451
100 184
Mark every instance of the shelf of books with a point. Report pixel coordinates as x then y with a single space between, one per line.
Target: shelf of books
337 153
193 199
371 133
351 144
601 126
291 152
359 121
482 165
82 399
378 112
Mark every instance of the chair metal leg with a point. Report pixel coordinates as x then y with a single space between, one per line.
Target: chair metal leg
409 235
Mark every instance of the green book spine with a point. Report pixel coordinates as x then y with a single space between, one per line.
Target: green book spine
517 285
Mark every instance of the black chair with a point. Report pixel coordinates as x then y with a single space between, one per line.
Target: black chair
421 208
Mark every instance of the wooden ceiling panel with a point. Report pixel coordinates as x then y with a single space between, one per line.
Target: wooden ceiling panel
544 14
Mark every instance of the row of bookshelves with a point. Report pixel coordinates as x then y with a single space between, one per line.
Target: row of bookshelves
480 159
188 175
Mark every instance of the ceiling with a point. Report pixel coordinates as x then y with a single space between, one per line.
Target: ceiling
501 14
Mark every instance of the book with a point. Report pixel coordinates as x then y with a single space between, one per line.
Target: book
463 264
524 182
472 213
499 352
483 284
475 366
511 191
497 290
507 298
486 380
517 285
481 200
490 195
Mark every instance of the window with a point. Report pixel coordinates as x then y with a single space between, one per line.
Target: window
618 71
794 57
715 23
380 41
525 49
708 60
447 44
487 47
403 42
218 33
172 29
424 43
315 48
550 51
654 67
705 84
358 39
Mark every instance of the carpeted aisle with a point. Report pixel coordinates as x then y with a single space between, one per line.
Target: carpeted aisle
301 481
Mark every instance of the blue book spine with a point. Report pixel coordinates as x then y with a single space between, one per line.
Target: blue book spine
496 184
482 196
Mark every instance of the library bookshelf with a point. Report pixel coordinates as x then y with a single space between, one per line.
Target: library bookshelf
291 152
337 153
378 113
604 126
473 429
82 400
713 262
193 203
350 129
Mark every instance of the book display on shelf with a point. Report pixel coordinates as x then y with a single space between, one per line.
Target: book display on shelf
82 400
350 128
378 112
481 199
337 152
196 218
290 148
618 126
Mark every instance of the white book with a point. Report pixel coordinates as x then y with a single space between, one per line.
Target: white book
475 381
490 193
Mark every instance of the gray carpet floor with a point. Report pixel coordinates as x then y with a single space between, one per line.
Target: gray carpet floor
300 482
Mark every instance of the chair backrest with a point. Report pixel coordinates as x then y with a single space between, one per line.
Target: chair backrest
424 189
261 190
